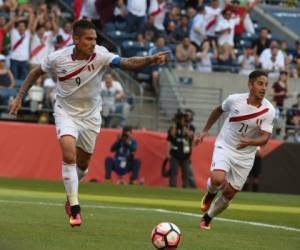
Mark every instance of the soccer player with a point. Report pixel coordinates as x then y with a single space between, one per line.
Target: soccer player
249 124
79 70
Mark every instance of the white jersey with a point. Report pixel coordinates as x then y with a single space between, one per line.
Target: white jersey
67 37
226 38
41 47
211 18
20 45
79 83
245 119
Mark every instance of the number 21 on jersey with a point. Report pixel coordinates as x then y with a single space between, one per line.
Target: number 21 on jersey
243 128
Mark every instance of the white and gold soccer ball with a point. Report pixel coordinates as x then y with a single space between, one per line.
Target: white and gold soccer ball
166 235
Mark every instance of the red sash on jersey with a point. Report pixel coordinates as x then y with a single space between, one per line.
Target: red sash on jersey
76 72
18 43
65 42
159 9
210 24
38 48
247 117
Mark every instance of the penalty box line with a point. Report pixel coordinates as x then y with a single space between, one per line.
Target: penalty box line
158 210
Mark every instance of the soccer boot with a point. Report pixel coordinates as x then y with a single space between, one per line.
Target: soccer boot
75 222
75 216
205 222
206 201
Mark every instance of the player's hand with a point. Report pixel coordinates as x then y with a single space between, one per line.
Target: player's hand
244 142
15 105
199 137
161 57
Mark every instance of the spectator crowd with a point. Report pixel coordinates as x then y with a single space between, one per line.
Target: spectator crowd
201 35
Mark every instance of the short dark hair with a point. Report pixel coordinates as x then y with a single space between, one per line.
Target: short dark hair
82 25
257 73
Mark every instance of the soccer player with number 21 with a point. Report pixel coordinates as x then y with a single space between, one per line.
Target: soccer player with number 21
249 124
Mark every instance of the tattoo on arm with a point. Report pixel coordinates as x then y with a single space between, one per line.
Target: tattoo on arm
135 63
29 81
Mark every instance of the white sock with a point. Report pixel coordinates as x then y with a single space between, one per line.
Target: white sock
70 178
81 173
211 188
218 207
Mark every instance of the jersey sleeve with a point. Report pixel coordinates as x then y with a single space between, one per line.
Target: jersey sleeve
104 55
227 103
268 123
47 64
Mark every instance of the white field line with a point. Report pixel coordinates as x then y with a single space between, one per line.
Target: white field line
157 210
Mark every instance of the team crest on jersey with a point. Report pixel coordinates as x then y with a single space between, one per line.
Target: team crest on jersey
91 67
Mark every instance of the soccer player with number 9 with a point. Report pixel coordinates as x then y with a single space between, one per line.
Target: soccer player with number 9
79 69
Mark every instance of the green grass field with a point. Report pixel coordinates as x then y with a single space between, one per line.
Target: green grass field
121 218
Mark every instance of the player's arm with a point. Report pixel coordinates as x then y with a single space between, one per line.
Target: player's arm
261 140
136 62
31 78
213 117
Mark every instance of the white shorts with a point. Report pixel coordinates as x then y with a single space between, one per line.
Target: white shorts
236 170
85 138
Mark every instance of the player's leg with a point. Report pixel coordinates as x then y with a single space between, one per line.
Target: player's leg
82 162
214 184
219 167
70 178
222 202
235 180
85 146
219 206
67 133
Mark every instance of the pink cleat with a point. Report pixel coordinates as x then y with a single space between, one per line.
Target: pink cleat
204 225
205 222
75 222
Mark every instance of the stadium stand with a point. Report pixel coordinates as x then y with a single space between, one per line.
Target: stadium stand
112 33
287 16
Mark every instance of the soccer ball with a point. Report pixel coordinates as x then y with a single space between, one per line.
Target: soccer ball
166 235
